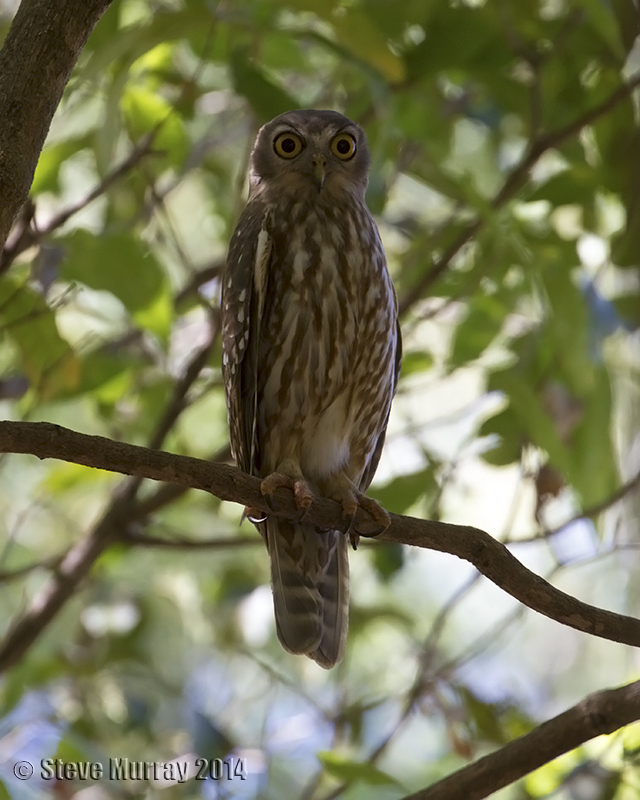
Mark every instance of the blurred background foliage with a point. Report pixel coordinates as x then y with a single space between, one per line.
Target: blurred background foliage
506 156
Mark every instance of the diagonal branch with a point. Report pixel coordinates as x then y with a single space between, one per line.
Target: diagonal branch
489 556
597 714
515 180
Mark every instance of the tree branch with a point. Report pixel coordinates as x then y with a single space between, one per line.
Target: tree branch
489 556
42 46
513 183
599 713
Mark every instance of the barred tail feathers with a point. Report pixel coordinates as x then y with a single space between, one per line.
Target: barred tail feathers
333 587
310 579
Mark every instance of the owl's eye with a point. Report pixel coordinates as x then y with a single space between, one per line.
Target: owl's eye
343 146
288 145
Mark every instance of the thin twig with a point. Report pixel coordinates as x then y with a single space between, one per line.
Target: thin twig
30 236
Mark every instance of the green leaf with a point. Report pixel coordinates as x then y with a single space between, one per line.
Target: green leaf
121 47
475 333
46 178
265 97
508 448
363 38
528 410
144 111
603 24
631 740
388 559
415 361
121 264
479 45
105 376
404 491
567 187
486 716
345 769
628 308
593 468
45 357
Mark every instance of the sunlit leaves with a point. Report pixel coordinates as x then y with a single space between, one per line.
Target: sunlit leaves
144 112
354 772
265 97
404 491
46 359
122 265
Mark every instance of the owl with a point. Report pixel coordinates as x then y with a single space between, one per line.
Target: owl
311 352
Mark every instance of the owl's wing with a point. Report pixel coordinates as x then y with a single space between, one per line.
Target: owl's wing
243 293
372 466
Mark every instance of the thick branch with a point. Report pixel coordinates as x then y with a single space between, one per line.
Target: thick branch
599 713
41 48
491 558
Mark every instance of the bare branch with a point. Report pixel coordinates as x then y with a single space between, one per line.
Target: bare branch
488 555
599 713
42 46
180 543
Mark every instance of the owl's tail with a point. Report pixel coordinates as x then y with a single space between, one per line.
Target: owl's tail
310 577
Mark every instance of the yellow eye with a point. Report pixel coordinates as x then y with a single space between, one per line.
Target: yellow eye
288 145
343 146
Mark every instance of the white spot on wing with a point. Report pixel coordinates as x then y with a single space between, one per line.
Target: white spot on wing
263 254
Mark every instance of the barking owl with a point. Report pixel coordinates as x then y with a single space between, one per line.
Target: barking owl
311 354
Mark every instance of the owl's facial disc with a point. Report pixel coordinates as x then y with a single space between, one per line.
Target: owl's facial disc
310 153
310 157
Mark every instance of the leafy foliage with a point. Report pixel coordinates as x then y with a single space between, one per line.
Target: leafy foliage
506 152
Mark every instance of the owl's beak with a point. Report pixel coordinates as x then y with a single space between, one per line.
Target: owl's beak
319 171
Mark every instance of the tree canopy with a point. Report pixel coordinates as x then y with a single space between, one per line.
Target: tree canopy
137 618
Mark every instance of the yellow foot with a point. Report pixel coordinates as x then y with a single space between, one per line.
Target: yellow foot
302 492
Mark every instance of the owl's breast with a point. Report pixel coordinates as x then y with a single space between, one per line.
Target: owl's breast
329 297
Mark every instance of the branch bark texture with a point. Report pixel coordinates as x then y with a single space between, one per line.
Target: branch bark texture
41 48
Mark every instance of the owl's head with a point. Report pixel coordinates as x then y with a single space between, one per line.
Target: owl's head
310 153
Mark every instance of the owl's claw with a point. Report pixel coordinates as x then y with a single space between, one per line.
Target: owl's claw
351 500
254 515
377 514
302 493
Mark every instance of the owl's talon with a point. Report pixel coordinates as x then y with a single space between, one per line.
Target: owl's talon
349 527
269 501
351 499
372 534
302 493
254 515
